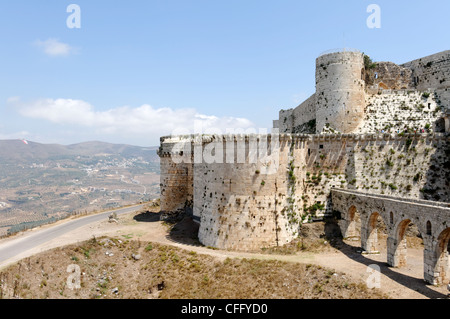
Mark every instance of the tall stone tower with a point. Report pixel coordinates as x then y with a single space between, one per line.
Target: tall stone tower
340 91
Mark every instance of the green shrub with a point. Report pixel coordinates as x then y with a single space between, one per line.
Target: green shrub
389 163
392 186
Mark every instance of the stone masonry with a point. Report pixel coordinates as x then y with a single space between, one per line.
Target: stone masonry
376 131
431 218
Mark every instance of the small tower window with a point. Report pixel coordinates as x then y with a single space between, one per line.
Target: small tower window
428 228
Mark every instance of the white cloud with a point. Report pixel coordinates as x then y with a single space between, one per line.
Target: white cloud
126 120
53 47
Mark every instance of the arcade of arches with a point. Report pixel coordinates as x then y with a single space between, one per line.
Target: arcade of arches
361 214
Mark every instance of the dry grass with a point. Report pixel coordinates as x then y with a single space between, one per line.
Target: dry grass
168 272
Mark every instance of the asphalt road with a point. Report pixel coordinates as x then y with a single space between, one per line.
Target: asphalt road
14 247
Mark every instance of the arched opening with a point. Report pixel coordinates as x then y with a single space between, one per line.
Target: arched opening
391 218
428 228
408 237
442 268
440 125
376 234
354 224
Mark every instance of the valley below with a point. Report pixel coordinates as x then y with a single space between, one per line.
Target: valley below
43 183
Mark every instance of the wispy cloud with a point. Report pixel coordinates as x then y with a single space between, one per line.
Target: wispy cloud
126 120
54 47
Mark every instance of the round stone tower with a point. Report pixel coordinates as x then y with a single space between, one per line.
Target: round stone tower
340 91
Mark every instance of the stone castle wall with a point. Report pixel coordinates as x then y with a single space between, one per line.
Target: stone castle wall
340 91
253 198
302 119
177 174
431 72
244 205
344 86
399 110
443 95
236 199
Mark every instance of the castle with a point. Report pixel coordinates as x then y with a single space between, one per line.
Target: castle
376 129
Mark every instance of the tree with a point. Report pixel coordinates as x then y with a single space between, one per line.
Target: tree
368 63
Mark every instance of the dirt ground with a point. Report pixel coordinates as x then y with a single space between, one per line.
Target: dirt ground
341 256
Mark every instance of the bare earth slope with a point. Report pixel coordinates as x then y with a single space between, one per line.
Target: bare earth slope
141 257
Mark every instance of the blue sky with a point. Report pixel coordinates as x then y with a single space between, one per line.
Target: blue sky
136 70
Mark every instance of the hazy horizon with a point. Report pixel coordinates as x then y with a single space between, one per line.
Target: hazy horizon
76 143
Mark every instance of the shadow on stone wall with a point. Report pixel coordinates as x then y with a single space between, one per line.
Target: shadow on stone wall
437 177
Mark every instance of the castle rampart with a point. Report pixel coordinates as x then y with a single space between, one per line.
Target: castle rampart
249 204
302 119
379 129
340 96
431 72
348 83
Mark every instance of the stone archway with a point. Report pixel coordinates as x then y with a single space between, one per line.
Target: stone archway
397 246
369 235
441 270
354 223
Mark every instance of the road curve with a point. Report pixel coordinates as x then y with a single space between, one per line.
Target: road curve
22 244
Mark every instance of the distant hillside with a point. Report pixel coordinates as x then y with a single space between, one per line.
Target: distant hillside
18 151
41 183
